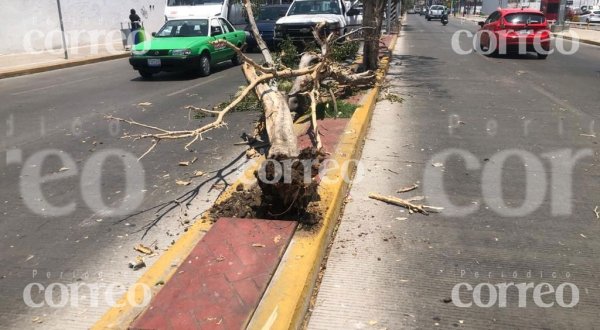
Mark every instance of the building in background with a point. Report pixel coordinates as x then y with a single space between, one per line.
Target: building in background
33 25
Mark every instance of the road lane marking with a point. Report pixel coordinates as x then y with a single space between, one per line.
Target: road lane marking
52 86
194 86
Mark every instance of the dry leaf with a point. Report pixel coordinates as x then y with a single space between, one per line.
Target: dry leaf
144 104
276 239
143 249
372 322
220 258
197 174
189 162
258 245
597 212
62 169
401 218
137 264
437 164
582 235
251 153
183 183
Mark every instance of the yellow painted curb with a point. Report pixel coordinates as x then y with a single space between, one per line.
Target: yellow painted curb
68 64
285 302
131 304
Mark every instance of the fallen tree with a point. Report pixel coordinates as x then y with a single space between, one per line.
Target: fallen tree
317 74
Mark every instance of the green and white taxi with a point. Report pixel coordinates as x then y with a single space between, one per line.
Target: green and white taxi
187 45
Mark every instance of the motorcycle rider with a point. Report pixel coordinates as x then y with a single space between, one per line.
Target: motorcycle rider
444 18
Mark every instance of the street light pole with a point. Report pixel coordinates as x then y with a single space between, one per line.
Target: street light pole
62 29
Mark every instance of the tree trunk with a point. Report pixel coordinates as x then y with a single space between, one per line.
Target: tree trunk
278 118
372 21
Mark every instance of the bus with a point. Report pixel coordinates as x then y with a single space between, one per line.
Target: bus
232 10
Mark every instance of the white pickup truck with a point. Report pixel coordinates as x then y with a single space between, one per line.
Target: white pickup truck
303 15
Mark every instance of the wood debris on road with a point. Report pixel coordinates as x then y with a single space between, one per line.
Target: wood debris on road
400 202
409 188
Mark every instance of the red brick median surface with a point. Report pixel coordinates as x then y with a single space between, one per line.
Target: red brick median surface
221 282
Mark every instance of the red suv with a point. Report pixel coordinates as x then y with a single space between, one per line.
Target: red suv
515 30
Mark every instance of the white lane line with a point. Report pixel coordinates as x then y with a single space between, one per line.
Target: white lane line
194 86
52 86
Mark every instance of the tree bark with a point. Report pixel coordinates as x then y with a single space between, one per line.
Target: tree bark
372 21
278 118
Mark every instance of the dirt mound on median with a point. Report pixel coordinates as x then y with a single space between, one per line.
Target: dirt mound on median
287 190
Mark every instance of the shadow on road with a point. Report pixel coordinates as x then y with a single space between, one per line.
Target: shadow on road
182 75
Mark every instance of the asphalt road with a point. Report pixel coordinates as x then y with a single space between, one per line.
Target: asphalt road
519 224
55 140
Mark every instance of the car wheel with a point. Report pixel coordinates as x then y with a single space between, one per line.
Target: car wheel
542 56
145 74
236 59
204 68
429 18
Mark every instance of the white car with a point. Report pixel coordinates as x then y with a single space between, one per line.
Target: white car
436 12
590 17
304 15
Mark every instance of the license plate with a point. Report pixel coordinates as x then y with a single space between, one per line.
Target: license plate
525 31
154 62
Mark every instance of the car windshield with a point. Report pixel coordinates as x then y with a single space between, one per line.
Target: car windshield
271 13
525 18
315 7
184 28
596 12
192 2
436 7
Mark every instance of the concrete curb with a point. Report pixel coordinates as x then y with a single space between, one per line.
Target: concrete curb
68 64
286 299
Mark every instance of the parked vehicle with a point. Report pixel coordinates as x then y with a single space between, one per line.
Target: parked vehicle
231 10
266 18
436 12
423 11
410 11
514 27
590 16
304 15
186 45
